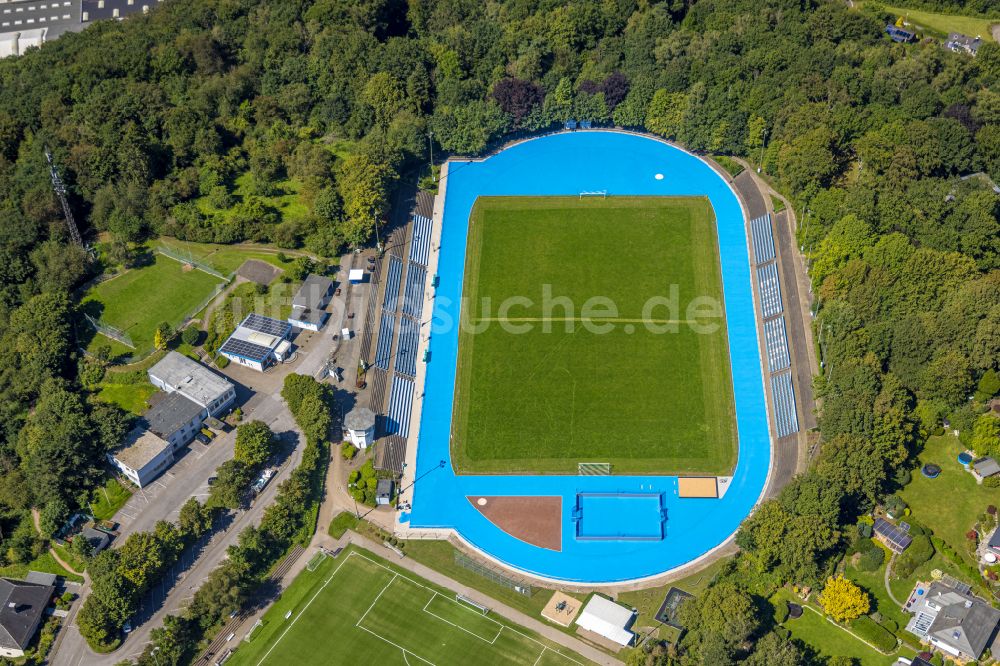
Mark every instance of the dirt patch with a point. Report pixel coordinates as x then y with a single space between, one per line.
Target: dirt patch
258 271
534 520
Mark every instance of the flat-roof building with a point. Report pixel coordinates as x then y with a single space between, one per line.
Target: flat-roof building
142 457
608 619
177 373
309 303
258 342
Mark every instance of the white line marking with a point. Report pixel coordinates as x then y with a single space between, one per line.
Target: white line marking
377 597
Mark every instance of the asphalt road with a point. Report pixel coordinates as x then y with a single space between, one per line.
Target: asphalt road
259 397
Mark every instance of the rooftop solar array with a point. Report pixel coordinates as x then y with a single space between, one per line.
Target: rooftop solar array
770 291
400 405
763 241
406 349
420 243
262 324
777 344
245 349
383 352
392 280
895 536
413 296
786 420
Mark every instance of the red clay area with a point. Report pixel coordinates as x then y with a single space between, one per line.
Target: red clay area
534 520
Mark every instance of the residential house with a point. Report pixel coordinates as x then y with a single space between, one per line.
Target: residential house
984 467
901 35
953 620
22 607
960 43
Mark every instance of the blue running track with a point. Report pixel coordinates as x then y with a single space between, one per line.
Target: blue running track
566 164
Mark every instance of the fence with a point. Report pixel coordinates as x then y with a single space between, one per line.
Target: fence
110 331
492 574
186 257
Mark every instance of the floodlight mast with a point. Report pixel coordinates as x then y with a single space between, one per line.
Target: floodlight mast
60 190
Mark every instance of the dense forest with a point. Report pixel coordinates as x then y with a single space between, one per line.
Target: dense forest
157 121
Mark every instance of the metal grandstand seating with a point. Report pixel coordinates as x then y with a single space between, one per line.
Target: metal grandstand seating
406 348
420 241
390 454
770 291
393 278
776 341
786 420
397 420
413 295
763 240
383 351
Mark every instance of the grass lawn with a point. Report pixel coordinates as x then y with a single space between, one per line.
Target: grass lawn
942 24
139 299
610 389
106 501
133 398
830 640
648 601
873 583
952 503
44 563
227 258
374 613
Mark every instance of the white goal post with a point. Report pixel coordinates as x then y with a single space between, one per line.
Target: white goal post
596 193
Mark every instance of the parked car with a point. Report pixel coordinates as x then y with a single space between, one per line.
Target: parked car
207 433
212 479
203 439
127 627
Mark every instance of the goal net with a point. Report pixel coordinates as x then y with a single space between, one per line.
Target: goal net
110 331
316 560
593 469
602 194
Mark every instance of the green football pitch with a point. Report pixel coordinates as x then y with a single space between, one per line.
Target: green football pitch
141 298
357 609
639 379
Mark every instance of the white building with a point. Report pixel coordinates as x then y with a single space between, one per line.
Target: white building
309 304
360 426
606 618
258 342
178 373
193 393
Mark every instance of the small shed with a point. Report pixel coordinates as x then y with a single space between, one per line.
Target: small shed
985 466
384 492
606 618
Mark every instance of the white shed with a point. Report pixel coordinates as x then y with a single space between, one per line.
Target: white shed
608 619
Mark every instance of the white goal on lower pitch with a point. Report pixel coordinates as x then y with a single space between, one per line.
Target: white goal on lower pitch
316 559
597 193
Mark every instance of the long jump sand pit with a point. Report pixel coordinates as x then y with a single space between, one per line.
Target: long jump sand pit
533 519
697 486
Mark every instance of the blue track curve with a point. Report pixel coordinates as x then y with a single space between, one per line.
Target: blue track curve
567 164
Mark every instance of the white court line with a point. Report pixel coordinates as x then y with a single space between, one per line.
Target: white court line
435 595
377 597
396 645
302 612
398 575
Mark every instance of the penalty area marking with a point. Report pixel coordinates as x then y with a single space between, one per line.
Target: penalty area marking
434 595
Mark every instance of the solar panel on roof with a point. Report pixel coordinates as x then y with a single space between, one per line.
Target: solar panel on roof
896 536
263 324
245 349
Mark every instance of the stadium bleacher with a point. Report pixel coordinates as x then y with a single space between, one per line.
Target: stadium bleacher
383 351
785 418
400 404
413 295
770 291
420 242
763 240
406 349
776 341
393 278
